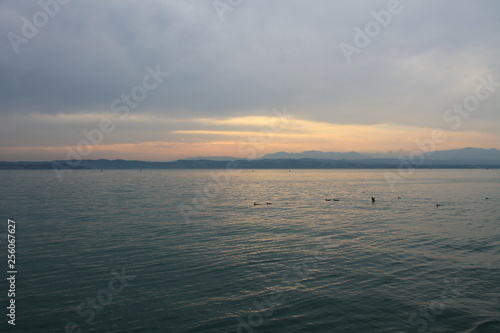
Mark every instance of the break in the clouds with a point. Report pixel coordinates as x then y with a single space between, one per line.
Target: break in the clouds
65 64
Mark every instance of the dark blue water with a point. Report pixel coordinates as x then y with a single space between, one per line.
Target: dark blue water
188 251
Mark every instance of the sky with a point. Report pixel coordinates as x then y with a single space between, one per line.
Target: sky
161 80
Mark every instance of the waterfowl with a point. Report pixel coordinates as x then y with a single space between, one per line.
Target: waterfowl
373 199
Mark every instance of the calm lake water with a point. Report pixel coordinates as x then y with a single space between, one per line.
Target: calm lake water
188 251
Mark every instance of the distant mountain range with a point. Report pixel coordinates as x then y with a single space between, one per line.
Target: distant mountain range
478 155
213 158
317 154
467 154
456 158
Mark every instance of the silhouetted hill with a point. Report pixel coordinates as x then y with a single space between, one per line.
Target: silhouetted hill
317 155
457 158
467 154
213 158
37 165
302 163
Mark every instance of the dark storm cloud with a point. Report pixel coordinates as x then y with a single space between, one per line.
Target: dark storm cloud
264 54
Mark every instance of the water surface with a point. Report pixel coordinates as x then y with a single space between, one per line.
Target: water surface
301 264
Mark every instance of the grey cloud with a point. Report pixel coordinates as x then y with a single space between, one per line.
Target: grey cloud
265 54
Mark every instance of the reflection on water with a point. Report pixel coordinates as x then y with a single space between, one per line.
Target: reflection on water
302 264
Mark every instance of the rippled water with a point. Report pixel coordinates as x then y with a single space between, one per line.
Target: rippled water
301 264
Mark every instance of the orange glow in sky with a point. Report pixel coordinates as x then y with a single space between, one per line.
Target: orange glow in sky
226 137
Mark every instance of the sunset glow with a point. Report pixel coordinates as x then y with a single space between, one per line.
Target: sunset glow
223 137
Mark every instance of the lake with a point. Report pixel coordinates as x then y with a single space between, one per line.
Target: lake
190 251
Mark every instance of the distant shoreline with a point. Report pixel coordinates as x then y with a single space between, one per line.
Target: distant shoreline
291 164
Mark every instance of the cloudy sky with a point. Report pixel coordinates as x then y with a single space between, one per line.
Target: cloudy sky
163 79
